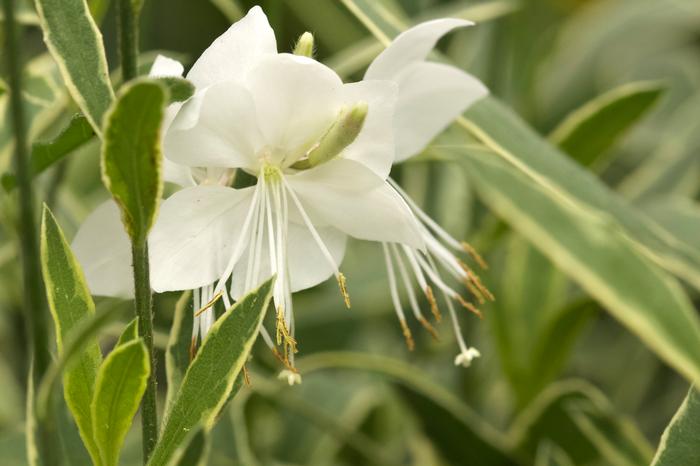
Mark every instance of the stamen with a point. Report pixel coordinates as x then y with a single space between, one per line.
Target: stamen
469 249
393 290
407 335
246 376
410 254
474 278
470 307
433 303
210 304
319 243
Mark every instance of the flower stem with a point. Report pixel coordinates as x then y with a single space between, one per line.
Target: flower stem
127 14
34 302
144 311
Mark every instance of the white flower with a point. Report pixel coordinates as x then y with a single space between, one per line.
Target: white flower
320 152
430 96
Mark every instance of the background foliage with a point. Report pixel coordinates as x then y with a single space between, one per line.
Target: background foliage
614 83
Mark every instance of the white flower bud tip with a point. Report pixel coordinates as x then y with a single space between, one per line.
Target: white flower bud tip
305 45
465 358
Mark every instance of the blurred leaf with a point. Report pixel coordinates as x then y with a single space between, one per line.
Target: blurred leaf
45 154
678 216
594 251
193 452
231 9
679 442
179 89
98 9
13 451
549 454
121 382
589 131
457 432
75 43
577 418
131 154
209 380
177 353
70 304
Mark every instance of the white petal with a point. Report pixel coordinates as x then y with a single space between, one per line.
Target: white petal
296 99
235 51
307 265
164 66
348 196
194 236
223 131
374 146
176 173
103 249
431 96
412 45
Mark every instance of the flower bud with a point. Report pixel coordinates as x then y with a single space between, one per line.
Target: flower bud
305 45
340 135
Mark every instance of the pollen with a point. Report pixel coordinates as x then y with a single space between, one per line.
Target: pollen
343 289
284 338
433 303
407 335
469 249
246 376
431 330
470 307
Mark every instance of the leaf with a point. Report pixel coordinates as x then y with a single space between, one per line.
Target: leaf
502 131
679 442
76 45
456 431
131 154
70 304
120 385
193 452
229 8
678 216
130 332
179 89
589 131
45 154
579 420
177 353
594 251
211 376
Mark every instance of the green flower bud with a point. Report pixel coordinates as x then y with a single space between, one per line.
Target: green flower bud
340 135
305 45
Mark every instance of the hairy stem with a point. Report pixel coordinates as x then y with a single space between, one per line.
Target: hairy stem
144 311
34 301
127 17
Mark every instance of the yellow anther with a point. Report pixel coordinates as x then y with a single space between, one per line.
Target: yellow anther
246 376
433 303
209 304
344 289
407 335
470 307
431 330
469 249
480 286
476 293
284 338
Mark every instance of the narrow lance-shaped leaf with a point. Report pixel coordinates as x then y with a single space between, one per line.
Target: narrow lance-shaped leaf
121 382
130 332
594 251
131 154
177 354
75 43
589 131
70 304
193 451
211 376
679 442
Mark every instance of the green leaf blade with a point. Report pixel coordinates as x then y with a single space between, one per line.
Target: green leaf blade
679 442
71 304
131 154
177 353
120 385
211 376
588 132
75 43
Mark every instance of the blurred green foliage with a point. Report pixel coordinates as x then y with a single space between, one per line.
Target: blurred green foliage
559 382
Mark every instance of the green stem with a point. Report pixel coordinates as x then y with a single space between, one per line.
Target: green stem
144 311
127 17
34 302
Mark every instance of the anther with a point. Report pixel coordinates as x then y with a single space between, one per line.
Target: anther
431 330
469 306
433 304
246 376
343 289
469 249
407 335
209 304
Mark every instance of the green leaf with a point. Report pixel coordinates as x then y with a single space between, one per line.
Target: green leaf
678 216
679 442
580 420
131 154
75 43
177 354
45 154
179 89
595 252
589 131
453 427
193 452
70 304
130 332
211 376
121 383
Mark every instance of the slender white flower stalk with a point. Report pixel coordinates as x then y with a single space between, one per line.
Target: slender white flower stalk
430 96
